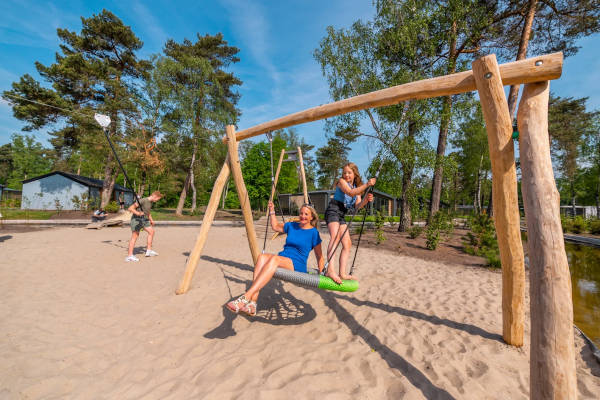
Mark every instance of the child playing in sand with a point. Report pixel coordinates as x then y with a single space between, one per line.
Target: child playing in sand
346 198
142 219
302 237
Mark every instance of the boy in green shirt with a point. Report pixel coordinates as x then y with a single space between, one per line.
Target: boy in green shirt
142 219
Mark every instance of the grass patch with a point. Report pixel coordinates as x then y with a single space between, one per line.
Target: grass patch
16 213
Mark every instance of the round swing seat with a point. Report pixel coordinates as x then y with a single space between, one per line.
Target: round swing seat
315 280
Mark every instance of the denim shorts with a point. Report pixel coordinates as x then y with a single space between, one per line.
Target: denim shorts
336 211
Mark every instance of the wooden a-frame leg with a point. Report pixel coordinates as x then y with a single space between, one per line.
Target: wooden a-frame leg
505 197
552 354
207 221
236 171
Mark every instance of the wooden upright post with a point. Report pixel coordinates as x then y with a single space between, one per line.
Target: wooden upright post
303 175
552 357
207 221
274 186
236 171
505 198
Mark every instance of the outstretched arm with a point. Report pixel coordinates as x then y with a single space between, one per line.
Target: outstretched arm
345 187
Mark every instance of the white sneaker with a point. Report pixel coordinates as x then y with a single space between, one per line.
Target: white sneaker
131 258
151 253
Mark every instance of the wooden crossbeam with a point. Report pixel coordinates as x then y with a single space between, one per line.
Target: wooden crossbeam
535 69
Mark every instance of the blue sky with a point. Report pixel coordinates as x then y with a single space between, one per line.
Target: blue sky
276 39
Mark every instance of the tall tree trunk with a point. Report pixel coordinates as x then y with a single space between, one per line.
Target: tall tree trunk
476 200
573 206
438 173
490 207
108 183
455 201
225 194
513 94
407 173
598 197
142 188
186 185
193 186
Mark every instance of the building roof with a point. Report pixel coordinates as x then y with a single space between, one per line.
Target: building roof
84 180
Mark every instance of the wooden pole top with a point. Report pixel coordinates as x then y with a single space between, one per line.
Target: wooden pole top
534 69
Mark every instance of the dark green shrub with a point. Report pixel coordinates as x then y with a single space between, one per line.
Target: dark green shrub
567 224
112 207
415 231
579 224
379 221
440 225
482 240
595 226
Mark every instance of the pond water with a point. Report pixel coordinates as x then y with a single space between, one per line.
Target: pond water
584 263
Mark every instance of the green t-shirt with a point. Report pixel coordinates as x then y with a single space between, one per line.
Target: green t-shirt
146 206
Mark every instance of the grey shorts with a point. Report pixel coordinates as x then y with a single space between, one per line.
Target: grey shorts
139 223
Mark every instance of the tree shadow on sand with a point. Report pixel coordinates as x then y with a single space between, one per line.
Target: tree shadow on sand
277 306
393 359
5 238
432 319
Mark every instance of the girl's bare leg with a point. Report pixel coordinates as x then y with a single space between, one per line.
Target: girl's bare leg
344 255
334 231
266 274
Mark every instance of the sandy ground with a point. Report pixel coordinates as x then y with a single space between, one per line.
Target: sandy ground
78 322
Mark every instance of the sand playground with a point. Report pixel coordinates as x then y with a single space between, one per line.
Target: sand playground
78 322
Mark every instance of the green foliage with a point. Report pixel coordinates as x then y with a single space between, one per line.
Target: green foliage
482 240
595 226
112 207
567 224
379 221
232 201
579 224
29 159
415 231
440 227
58 206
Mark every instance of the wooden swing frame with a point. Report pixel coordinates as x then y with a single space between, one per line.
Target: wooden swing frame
552 355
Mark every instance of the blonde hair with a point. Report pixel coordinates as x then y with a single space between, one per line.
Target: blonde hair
357 179
315 217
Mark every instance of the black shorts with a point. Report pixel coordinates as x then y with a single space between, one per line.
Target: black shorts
336 211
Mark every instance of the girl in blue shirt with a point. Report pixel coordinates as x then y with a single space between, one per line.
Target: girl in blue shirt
345 199
302 237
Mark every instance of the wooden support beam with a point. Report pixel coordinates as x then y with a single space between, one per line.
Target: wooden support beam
236 171
303 175
552 354
207 221
274 185
534 69
505 198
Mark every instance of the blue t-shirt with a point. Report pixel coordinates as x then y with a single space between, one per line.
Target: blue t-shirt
299 243
348 201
